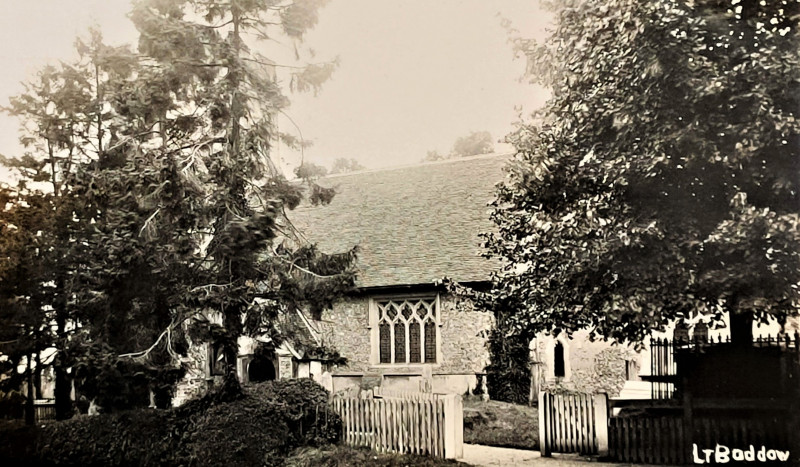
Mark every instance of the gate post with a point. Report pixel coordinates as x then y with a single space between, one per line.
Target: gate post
453 426
601 423
544 436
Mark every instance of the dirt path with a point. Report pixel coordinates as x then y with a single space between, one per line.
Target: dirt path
489 456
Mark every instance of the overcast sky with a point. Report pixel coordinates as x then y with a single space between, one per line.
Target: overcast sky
414 74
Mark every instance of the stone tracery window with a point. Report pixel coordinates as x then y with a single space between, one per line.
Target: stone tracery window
407 330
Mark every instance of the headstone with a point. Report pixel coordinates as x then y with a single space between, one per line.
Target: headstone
681 333
701 332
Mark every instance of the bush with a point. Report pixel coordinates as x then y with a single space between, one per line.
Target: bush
304 405
142 436
259 428
508 376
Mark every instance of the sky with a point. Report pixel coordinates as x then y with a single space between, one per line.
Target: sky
414 75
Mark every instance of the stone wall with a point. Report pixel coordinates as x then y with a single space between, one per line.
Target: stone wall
590 366
462 339
196 381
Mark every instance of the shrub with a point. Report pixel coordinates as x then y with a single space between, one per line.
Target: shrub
243 432
508 375
143 437
259 428
305 408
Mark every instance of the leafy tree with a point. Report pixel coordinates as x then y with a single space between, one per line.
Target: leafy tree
432 156
24 214
173 213
661 180
342 165
477 142
308 171
57 111
224 101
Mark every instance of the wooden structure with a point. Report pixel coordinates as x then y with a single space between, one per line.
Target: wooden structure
404 422
709 392
573 423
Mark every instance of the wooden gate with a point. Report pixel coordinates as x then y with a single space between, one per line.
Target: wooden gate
573 423
404 422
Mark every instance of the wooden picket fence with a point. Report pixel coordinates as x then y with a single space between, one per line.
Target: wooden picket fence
573 423
663 440
655 440
410 425
44 410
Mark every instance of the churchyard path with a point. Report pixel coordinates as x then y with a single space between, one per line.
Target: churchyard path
490 456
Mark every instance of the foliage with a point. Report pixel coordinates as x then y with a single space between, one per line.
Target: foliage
433 156
343 165
307 170
508 377
473 144
256 429
660 181
476 142
304 405
167 209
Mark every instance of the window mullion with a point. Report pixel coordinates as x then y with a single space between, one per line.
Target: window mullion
391 342
408 342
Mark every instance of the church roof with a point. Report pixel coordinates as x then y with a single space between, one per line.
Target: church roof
414 224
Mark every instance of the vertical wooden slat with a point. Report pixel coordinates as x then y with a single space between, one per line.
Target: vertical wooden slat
680 448
588 416
560 420
360 421
395 433
440 425
404 425
384 425
571 422
554 423
629 439
583 424
359 406
543 445
426 435
346 419
414 427
435 427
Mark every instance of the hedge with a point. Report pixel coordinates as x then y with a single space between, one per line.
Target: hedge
259 428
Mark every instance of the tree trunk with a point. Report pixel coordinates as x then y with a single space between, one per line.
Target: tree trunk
37 376
232 321
29 415
741 328
63 386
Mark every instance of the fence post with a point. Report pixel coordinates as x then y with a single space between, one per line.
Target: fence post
458 425
450 427
544 441
601 423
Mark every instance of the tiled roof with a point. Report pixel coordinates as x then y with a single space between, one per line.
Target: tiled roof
414 225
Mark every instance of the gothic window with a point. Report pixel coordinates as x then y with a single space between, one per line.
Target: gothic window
407 330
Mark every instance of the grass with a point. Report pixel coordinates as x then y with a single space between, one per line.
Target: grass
345 456
500 424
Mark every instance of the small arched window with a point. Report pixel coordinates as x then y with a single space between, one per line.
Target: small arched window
558 360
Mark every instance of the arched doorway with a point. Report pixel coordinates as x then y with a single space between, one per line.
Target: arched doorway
260 369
